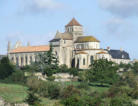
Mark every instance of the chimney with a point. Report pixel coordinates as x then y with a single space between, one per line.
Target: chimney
108 48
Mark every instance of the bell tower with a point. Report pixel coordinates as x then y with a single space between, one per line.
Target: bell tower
75 28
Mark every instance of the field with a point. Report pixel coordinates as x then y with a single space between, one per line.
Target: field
14 93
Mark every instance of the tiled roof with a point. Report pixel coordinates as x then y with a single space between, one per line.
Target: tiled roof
81 52
64 36
118 54
73 22
86 39
29 49
102 52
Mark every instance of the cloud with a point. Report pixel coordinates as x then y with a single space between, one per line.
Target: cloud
119 28
38 6
123 8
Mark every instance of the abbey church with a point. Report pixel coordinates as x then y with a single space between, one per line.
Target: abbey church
73 48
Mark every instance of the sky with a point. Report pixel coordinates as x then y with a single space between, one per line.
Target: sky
113 22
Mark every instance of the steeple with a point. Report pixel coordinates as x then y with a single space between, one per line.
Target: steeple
73 22
74 28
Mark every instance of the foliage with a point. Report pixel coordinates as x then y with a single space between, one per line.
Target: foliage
103 71
32 99
121 101
54 90
51 78
135 68
69 91
83 85
83 76
17 77
134 93
73 71
48 62
6 68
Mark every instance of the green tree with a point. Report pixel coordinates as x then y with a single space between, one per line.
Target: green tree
48 62
6 68
103 71
32 99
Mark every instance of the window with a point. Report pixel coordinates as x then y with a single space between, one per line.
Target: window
83 61
12 59
17 61
64 41
22 61
31 59
91 59
26 60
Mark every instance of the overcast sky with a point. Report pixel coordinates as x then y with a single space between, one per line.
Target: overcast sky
113 22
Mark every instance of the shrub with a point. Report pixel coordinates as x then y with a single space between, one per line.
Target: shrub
17 77
134 93
32 99
34 84
6 68
69 91
53 90
83 85
121 101
51 78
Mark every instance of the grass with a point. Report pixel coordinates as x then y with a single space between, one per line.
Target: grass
92 88
13 93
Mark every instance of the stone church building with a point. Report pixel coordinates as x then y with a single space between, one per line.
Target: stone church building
73 48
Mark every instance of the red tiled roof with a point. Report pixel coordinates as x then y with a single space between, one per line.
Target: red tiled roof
73 22
81 52
29 49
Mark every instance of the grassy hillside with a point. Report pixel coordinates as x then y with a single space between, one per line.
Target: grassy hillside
13 93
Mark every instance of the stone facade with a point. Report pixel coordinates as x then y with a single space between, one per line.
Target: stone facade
23 56
72 48
78 50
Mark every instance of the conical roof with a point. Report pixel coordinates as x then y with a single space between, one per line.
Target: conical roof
73 22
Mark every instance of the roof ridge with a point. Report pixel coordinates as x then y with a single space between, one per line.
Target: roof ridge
73 22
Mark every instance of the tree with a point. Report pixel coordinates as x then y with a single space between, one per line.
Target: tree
32 99
103 71
6 68
48 62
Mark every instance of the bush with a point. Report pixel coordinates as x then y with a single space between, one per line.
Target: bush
73 100
121 101
51 78
17 77
34 84
53 90
32 99
134 93
83 85
69 91
6 68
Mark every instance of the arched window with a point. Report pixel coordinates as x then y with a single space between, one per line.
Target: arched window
12 59
84 61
